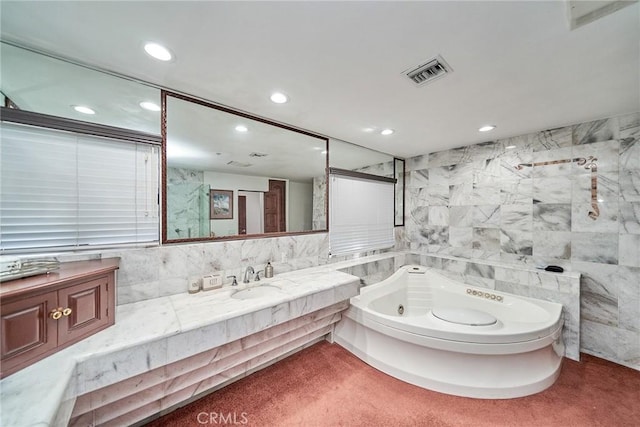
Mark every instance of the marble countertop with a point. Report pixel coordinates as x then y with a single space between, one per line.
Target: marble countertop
33 396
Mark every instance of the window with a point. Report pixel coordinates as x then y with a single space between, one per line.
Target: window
67 190
361 212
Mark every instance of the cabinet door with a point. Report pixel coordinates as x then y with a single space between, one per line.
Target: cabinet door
28 330
87 309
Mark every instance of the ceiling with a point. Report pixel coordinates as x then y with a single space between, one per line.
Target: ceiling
515 64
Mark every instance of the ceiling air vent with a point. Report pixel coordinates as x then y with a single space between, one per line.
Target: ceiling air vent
428 71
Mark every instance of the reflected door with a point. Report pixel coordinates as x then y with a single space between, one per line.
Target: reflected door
274 207
242 214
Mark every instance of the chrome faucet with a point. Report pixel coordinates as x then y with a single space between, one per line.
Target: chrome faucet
248 272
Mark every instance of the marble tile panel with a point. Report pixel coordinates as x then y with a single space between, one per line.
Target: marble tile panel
599 340
480 270
628 348
628 279
606 153
630 150
599 292
552 217
137 265
628 318
461 237
219 256
519 242
449 157
557 189
486 150
196 341
461 194
479 282
435 195
461 173
552 244
417 162
101 371
606 222
544 171
438 215
486 216
181 261
127 294
487 239
629 250
440 175
630 185
511 159
628 121
486 193
518 217
461 216
419 179
608 188
630 217
454 266
513 275
595 247
516 191
434 235
552 139
596 131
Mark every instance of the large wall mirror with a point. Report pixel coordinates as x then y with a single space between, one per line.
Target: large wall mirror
35 82
231 175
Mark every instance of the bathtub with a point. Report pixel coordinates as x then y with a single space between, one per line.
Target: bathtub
434 332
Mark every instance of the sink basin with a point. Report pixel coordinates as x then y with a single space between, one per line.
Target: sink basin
256 292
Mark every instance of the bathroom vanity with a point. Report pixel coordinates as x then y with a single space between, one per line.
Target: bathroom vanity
43 314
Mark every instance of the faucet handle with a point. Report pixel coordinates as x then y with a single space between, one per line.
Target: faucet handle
235 282
257 279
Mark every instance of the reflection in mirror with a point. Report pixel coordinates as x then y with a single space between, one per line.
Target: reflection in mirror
399 197
344 155
35 82
230 175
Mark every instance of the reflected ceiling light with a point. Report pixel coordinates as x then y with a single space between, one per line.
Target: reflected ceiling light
510 147
369 130
148 105
487 128
241 128
82 109
386 131
158 51
323 152
279 98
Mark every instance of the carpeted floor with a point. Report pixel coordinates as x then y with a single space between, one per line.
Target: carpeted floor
325 385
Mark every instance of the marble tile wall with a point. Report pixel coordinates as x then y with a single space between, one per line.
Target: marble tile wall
473 202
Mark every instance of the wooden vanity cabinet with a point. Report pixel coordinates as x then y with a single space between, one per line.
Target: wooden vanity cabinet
41 315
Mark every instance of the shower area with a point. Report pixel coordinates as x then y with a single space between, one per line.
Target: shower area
187 204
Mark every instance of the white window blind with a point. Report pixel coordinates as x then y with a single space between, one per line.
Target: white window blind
361 214
62 190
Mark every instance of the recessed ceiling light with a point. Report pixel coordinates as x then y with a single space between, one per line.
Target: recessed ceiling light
279 98
510 147
487 128
369 130
386 131
148 105
241 128
158 51
82 109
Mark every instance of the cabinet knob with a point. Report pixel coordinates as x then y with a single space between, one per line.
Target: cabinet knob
67 311
56 313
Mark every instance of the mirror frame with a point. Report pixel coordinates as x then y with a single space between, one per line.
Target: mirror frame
398 183
163 128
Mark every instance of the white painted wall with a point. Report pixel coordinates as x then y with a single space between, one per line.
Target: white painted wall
300 204
255 211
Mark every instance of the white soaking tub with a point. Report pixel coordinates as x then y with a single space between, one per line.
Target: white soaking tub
426 329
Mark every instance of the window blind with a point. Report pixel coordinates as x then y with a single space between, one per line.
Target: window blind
62 190
361 214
